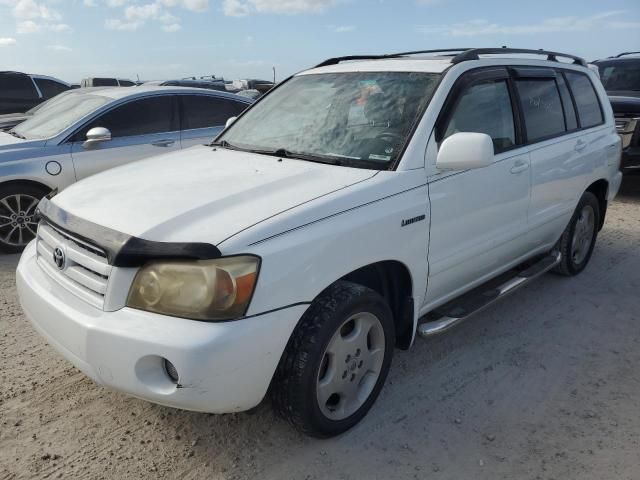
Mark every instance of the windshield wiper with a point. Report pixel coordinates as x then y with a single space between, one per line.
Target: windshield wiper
284 153
17 135
225 144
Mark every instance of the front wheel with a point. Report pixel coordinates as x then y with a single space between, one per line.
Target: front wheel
18 222
336 361
578 240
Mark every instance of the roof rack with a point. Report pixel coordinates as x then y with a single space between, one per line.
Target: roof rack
336 60
474 53
625 54
461 55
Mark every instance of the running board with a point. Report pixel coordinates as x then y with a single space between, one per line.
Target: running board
456 311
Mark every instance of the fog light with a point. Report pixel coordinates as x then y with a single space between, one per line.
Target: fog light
171 370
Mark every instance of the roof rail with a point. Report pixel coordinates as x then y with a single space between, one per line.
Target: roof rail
336 60
473 54
624 54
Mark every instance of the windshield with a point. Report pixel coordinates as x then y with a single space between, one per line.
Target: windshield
621 75
62 112
360 119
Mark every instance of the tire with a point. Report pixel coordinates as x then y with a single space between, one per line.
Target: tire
327 351
579 238
18 203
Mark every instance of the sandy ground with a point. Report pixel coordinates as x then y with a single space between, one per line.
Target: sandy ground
544 385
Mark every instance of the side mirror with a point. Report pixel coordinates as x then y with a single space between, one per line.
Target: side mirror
230 122
96 136
465 150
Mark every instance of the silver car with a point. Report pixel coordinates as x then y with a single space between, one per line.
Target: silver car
85 132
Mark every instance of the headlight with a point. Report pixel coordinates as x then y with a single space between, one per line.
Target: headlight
217 289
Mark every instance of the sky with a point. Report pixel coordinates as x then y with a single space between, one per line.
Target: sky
166 39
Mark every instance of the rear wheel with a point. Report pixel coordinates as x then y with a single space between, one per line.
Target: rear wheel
578 240
18 223
336 361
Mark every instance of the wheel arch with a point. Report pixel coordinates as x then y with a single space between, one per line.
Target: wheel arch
600 188
392 280
32 183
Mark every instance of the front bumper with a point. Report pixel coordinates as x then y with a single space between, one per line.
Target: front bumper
223 367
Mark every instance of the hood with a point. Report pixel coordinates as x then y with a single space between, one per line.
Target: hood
201 194
625 105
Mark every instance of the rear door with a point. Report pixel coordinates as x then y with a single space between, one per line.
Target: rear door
479 216
140 128
203 117
17 93
558 148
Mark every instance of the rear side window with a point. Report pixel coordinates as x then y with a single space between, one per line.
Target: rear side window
200 111
139 117
126 83
541 107
485 108
17 87
586 99
50 88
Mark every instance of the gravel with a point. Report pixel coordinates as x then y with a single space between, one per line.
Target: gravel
543 385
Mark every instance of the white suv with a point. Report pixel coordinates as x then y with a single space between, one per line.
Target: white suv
357 204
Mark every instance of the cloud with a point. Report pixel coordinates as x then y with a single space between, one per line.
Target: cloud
33 16
59 48
117 24
342 28
239 8
172 27
473 28
7 42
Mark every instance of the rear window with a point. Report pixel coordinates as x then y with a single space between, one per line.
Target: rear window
542 108
200 111
586 99
17 87
104 82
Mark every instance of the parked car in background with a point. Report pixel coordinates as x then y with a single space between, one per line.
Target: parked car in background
106 82
253 94
10 120
20 92
355 206
219 86
620 76
263 86
84 132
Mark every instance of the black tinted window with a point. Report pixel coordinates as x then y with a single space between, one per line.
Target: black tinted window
541 107
567 104
586 99
620 75
16 86
104 82
126 83
485 108
50 88
201 111
139 117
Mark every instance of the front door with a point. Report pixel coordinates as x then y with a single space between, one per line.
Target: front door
479 216
140 128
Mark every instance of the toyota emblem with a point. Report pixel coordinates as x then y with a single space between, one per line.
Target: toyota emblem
59 258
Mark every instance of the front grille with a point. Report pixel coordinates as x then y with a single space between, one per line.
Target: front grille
84 269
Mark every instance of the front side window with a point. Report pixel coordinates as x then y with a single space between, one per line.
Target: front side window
59 114
50 88
360 119
201 111
586 99
541 107
485 108
139 117
17 87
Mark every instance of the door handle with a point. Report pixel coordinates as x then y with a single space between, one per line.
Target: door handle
580 145
519 167
163 143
